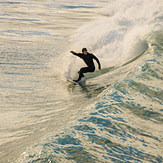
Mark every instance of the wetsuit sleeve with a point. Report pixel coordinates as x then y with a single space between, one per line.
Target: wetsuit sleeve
99 65
77 54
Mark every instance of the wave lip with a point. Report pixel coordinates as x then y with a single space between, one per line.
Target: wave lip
121 33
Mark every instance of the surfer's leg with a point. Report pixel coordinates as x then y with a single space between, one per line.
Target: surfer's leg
81 74
85 70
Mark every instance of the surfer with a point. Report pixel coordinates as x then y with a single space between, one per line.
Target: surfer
88 59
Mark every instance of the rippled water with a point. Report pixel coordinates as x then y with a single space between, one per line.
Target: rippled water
116 116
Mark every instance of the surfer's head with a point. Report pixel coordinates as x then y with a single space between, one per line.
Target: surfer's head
84 50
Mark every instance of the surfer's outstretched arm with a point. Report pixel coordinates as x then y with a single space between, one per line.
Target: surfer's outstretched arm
73 52
77 54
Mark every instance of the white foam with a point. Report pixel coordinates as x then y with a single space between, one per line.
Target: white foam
121 33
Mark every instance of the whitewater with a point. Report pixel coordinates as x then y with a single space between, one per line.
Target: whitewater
115 116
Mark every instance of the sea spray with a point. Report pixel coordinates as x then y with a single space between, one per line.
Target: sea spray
121 34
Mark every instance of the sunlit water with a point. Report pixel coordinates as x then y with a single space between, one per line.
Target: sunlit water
116 116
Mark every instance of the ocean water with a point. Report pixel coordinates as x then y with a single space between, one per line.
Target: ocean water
115 116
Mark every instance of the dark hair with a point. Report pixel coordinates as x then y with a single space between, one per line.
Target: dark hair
84 49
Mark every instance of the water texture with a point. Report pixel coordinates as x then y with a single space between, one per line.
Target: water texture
115 116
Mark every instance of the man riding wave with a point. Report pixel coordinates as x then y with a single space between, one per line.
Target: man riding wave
88 59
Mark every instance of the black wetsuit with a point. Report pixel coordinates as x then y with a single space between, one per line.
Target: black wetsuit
88 59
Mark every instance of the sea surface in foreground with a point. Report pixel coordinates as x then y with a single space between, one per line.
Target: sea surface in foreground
116 116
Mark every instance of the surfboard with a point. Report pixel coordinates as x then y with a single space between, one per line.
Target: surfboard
71 81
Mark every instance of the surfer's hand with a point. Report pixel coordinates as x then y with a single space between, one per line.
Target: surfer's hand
71 51
99 67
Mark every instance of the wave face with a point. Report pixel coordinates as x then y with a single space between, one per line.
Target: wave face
123 125
118 115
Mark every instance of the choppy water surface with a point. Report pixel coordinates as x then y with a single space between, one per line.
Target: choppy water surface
116 116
